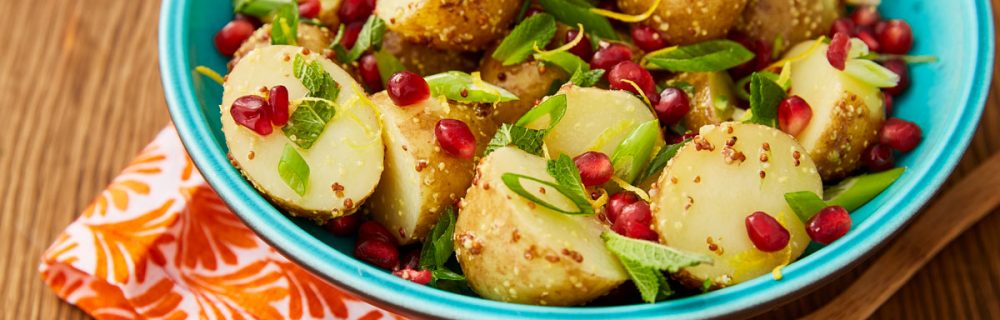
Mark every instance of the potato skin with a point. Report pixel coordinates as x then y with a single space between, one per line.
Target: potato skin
854 127
530 81
709 88
328 12
801 20
425 60
311 37
420 178
683 22
449 24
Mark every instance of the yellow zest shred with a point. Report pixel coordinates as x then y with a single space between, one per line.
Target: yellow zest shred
776 272
211 74
629 187
627 18
545 151
798 57
601 201
641 93
786 75
568 45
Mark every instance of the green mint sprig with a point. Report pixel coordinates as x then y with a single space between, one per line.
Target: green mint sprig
708 56
534 32
645 261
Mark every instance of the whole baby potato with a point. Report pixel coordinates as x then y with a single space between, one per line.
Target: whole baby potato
449 24
683 22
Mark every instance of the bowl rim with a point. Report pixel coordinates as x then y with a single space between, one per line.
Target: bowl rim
387 291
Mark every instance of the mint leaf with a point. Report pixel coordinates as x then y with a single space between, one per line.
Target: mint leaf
554 107
857 191
805 204
564 170
708 56
644 278
534 32
665 290
573 12
632 155
579 70
513 182
650 254
294 170
528 140
370 37
463 87
765 95
308 121
446 274
661 159
262 9
437 247
587 78
285 27
315 78
388 65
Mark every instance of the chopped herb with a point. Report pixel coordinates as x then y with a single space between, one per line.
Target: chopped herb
708 56
437 247
765 95
573 12
662 158
294 170
872 73
370 37
469 88
644 260
857 191
388 65
263 9
525 139
315 78
587 78
632 155
444 274
521 12
805 204
554 107
564 170
685 86
564 60
646 279
534 32
285 27
308 121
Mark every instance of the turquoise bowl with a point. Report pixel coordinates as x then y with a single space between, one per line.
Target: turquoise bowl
946 100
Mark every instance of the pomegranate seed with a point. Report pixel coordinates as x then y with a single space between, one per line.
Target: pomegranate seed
351 32
647 38
829 224
595 168
878 158
380 253
900 68
766 233
617 202
762 55
254 113
410 259
355 10
232 36
636 212
869 40
407 88
420 277
837 53
634 222
900 134
371 230
368 69
896 37
607 57
582 49
533 11
865 16
455 137
887 99
309 9
628 70
278 99
251 19
794 114
344 226
843 25
674 104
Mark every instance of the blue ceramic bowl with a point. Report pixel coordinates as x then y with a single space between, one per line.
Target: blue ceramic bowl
946 100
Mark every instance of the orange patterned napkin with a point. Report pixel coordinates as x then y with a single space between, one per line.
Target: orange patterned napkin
159 243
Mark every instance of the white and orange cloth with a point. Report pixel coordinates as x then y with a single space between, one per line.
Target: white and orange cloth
159 243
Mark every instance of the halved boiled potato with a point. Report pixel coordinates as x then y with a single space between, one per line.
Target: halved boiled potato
685 21
595 120
421 179
425 60
799 20
513 250
529 81
727 173
311 37
345 162
449 25
714 99
847 113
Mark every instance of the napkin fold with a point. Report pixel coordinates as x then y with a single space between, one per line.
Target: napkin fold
158 243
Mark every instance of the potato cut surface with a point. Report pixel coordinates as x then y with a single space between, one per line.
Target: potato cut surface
345 162
714 182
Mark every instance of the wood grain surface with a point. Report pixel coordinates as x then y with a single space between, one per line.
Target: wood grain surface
80 95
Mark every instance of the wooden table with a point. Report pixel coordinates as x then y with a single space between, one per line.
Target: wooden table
81 95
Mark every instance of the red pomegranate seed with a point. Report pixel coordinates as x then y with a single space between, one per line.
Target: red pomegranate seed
417 276
617 202
837 52
636 212
351 32
843 25
865 16
595 168
254 113
278 99
582 49
900 134
829 224
794 115
607 57
900 68
410 259
869 40
407 88
674 104
455 137
634 222
355 10
878 158
766 233
896 37
647 38
251 19
309 9
344 226
371 230
232 36
628 70
887 99
380 253
368 69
